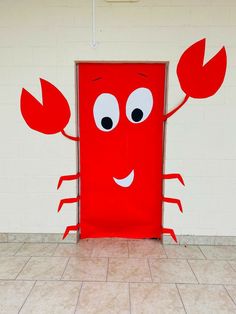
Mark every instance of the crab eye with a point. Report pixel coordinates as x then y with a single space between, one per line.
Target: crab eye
106 112
139 105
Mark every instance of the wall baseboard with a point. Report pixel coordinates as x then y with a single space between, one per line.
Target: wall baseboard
38 237
74 237
200 240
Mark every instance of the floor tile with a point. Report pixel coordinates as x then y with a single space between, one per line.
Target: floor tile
13 295
213 272
232 292
153 298
110 248
182 251
54 297
44 268
37 249
210 299
171 271
223 252
10 266
146 248
9 249
82 249
86 269
103 298
128 270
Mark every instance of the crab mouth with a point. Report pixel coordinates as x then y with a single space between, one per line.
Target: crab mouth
125 182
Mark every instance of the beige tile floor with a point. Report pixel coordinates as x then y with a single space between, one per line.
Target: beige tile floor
116 276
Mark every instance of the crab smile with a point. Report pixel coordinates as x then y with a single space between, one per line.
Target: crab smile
125 182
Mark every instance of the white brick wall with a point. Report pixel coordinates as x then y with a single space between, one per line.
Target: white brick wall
44 38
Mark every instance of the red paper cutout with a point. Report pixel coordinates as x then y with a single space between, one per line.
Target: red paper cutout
174 201
51 116
121 142
170 232
70 228
67 201
174 176
73 138
169 114
67 178
199 80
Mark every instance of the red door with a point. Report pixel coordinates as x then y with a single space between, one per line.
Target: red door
121 107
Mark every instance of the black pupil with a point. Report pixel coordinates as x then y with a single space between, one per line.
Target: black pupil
137 115
107 123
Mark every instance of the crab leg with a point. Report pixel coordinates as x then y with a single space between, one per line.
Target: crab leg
174 176
68 201
175 201
70 228
170 232
67 178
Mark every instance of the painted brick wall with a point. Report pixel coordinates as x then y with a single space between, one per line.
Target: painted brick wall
44 38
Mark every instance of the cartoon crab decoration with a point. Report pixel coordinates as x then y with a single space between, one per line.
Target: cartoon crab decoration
121 127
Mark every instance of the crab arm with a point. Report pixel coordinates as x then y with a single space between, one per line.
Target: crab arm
173 111
73 138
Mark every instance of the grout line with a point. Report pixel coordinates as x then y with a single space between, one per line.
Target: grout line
193 271
22 244
230 265
149 266
165 250
128 248
65 268
108 262
77 303
202 252
27 296
181 298
234 302
54 251
22 267
129 298
162 246
117 281
180 258
92 250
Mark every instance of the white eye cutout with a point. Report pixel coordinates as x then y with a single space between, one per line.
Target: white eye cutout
106 112
139 105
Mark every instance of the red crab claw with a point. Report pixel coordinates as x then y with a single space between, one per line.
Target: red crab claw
51 116
200 80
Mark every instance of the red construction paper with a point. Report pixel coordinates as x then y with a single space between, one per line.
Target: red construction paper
199 78
51 116
107 209
69 177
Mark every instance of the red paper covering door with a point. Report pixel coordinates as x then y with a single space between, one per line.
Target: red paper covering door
121 108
